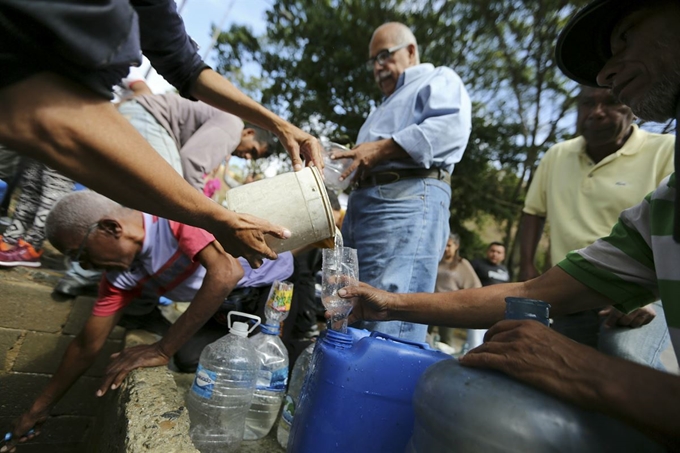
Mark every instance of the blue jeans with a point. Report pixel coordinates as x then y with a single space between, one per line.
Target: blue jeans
153 132
400 232
643 345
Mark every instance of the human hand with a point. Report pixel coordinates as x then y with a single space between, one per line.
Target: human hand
299 143
533 353
527 273
369 303
634 319
365 156
246 237
129 359
24 428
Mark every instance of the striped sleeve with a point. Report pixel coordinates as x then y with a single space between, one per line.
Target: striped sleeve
621 265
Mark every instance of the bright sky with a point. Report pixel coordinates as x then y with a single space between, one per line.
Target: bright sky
200 15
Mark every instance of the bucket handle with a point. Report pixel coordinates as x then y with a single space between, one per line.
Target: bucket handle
245 315
416 344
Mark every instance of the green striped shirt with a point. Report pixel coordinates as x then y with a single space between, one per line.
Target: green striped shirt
638 262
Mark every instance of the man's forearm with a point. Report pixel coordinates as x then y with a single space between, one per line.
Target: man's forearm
215 90
482 307
530 234
641 396
57 136
77 360
206 302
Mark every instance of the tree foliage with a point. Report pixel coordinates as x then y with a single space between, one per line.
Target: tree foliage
312 72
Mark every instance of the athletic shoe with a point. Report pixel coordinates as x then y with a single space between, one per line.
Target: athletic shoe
4 246
21 255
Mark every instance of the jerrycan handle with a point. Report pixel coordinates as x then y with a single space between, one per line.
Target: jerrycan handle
416 344
245 315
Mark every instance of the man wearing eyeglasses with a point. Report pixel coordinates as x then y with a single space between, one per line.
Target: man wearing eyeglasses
143 256
397 218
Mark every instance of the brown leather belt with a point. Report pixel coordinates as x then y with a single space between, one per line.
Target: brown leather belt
388 177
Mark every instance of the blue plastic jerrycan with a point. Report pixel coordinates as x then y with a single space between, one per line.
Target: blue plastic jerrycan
358 393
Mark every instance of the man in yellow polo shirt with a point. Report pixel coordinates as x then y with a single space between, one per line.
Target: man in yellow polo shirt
581 186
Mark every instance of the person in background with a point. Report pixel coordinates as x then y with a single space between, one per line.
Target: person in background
580 186
11 169
58 63
625 46
397 217
41 187
491 271
193 137
454 273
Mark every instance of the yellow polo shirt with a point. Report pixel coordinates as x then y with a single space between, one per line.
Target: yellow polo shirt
582 200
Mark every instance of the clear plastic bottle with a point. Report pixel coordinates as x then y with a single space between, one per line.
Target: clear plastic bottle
297 378
273 375
223 389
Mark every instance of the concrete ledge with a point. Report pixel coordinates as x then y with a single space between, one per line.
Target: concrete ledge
146 415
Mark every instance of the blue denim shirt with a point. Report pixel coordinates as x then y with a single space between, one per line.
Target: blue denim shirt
429 115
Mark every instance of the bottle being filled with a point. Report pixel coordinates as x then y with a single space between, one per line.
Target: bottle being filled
273 372
223 389
297 378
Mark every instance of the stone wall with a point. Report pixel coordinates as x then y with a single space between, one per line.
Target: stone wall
145 415
35 329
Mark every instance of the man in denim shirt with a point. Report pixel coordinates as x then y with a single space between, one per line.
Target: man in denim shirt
397 219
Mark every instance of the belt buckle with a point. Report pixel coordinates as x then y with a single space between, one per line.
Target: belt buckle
396 175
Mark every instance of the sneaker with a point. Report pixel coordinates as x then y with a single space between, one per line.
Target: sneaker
4 246
21 255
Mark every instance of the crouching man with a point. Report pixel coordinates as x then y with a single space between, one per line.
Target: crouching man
141 254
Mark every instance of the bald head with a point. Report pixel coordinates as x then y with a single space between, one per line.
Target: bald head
70 218
392 49
398 33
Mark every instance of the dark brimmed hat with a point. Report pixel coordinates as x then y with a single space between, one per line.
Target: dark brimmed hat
583 46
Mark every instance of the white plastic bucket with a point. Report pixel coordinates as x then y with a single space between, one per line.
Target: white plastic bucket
297 201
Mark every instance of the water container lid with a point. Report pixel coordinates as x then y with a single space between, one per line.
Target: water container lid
239 329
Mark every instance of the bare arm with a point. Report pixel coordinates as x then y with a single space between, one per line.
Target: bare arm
222 274
529 236
638 395
215 90
472 308
83 136
79 356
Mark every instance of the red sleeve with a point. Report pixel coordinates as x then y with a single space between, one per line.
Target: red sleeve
191 239
112 299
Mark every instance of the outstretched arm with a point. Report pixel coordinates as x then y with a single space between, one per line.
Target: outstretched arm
222 274
213 89
472 308
79 356
82 136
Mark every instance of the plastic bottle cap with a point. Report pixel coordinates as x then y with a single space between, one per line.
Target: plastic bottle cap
240 329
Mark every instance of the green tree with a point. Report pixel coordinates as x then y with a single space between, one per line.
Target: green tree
312 59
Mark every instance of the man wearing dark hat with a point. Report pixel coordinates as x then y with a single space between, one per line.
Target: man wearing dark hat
632 47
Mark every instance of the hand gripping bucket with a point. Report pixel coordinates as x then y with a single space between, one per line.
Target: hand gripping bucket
297 201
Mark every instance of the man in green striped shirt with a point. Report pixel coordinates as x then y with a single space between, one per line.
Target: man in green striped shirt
632 47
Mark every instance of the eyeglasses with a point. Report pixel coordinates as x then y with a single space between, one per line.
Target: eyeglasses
77 257
383 56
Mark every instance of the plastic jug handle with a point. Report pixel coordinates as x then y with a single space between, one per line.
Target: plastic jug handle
245 315
401 340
